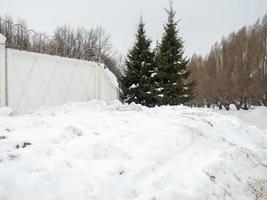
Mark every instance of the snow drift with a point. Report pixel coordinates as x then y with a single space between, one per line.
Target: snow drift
96 150
2 39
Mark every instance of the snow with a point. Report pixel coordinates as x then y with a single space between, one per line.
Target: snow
153 74
6 111
111 77
2 39
160 89
254 116
133 86
182 72
185 95
95 150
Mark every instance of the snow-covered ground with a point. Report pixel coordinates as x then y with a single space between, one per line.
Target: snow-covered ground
255 117
96 151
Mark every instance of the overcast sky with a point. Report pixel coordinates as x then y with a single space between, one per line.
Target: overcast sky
203 22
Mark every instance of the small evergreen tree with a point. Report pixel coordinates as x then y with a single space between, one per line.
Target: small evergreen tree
137 82
172 86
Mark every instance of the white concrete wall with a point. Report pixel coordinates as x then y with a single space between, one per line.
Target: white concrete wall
34 80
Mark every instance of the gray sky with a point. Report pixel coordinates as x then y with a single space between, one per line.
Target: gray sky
203 21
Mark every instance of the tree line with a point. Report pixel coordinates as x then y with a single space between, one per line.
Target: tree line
157 76
234 71
92 44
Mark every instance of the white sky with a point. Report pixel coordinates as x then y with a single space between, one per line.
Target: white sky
203 21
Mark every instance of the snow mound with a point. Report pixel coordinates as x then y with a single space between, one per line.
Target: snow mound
256 116
90 106
6 111
111 77
2 39
96 150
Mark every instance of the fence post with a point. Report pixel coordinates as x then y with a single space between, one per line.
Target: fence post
99 77
96 82
2 71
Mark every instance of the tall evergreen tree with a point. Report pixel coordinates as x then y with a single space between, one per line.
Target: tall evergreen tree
172 87
137 82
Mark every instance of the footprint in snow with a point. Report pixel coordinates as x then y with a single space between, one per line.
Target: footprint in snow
73 130
3 137
9 129
23 145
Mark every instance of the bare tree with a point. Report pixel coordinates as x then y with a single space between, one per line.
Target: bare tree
93 44
235 70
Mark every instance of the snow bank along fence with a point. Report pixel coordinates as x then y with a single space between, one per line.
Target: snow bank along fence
29 80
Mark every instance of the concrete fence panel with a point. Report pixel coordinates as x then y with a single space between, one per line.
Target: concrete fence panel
29 80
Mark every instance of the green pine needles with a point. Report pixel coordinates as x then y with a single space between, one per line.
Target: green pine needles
137 82
157 77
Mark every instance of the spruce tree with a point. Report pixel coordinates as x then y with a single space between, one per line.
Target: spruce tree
172 85
137 81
